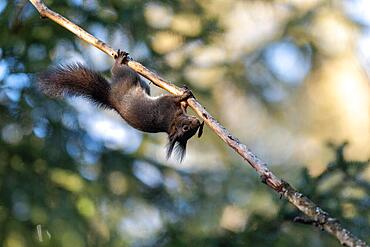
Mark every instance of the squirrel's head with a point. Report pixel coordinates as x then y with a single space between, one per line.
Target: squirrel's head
182 129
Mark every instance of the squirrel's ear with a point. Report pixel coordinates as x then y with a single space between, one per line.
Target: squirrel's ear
200 130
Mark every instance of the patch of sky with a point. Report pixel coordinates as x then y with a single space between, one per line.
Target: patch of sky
288 63
363 49
40 128
358 11
17 81
75 2
111 130
4 69
148 174
3 4
73 148
36 52
142 222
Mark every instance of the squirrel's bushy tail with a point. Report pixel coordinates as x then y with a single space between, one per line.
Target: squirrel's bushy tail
75 80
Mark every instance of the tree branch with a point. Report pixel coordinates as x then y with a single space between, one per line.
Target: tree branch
300 201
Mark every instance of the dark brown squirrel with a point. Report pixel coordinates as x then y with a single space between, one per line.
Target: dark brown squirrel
130 97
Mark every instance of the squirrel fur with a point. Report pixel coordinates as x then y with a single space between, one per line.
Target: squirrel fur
130 97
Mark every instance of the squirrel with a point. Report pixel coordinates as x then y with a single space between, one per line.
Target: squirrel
130 96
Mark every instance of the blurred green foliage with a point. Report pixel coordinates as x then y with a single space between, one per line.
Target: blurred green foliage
61 186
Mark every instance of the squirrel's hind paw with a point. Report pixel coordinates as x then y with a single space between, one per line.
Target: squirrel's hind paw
187 93
122 57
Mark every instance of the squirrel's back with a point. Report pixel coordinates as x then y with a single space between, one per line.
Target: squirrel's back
76 80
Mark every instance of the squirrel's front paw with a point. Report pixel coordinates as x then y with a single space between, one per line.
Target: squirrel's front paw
122 57
187 93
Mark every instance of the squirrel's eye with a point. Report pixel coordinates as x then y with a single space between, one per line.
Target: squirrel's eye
185 128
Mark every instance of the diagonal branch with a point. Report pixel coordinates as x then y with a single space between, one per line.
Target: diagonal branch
305 205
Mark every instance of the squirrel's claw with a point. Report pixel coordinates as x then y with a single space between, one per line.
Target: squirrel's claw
122 57
187 93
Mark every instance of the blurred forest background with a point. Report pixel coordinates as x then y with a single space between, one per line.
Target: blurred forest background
286 77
